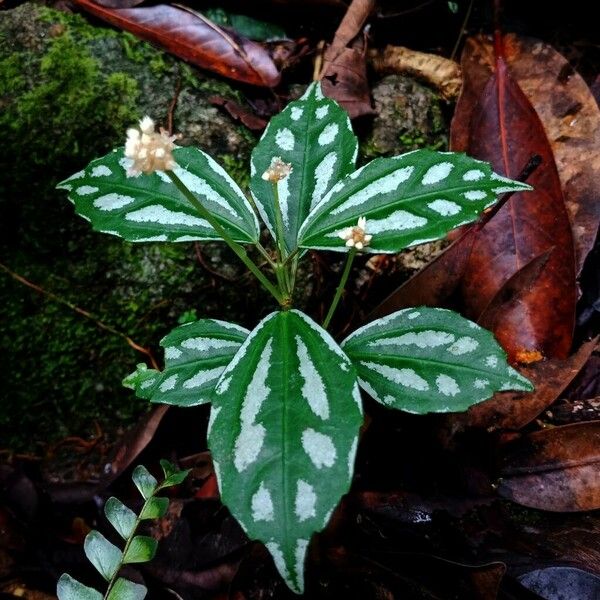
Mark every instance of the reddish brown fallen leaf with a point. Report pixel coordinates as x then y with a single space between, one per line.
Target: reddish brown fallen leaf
569 114
240 113
344 72
555 469
510 294
512 410
504 129
193 38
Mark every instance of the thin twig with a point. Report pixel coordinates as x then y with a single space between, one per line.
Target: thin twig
173 105
82 312
462 31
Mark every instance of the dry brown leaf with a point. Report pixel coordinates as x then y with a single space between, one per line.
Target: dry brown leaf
344 72
441 73
555 469
569 114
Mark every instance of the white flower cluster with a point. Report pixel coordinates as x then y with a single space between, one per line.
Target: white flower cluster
277 170
149 150
356 237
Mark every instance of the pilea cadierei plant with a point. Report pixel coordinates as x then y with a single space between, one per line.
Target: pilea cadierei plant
285 397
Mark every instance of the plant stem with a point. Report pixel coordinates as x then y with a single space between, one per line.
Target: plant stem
279 231
237 248
340 288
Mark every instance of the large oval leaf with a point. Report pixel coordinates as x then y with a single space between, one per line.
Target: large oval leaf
407 200
195 356
315 136
501 126
430 360
149 208
283 434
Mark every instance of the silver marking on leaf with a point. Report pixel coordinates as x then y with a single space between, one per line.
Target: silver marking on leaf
202 377
446 208
328 134
323 175
384 185
475 195
398 220
322 111
101 171
428 338
112 201
301 547
447 385
463 345
306 501
155 213
284 139
168 384
313 388
473 175
204 344
201 187
319 448
86 190
251 437
262 504
405 377
437 173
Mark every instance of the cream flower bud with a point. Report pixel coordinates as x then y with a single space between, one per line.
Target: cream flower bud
277 170
356 237
149 150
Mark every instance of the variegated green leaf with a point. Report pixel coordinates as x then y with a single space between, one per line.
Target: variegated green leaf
407 200
149 208
315 136
430 360
283 432
195 356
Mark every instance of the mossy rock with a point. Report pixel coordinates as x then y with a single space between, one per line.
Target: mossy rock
409 116
68 91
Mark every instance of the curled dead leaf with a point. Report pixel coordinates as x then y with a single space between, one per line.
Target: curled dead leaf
441 73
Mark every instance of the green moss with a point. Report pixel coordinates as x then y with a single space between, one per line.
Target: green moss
72 107
68 90
239 170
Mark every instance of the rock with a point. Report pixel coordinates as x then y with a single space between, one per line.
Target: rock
68 91
409 116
